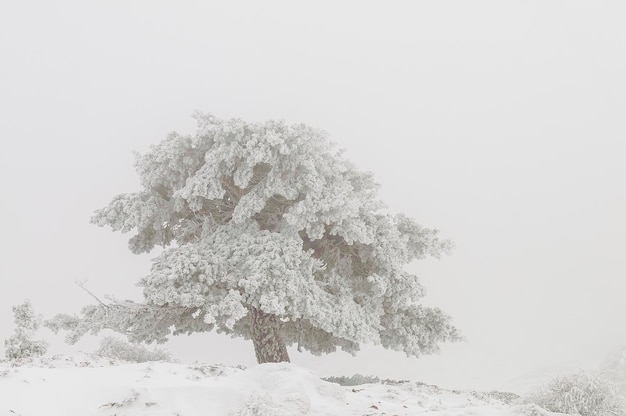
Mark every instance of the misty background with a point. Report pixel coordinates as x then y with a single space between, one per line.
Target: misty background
499 122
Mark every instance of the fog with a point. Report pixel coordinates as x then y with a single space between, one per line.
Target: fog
499 122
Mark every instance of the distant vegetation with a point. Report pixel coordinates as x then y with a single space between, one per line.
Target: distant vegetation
111 347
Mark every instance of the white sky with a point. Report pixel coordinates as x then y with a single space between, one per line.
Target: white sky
499 122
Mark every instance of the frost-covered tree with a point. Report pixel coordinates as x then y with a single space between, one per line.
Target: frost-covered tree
272 235
23 345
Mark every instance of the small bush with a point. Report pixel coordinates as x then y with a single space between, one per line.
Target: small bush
111 347
580 393
613 368
22 345
355 380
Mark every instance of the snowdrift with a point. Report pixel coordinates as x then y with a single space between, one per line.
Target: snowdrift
87 385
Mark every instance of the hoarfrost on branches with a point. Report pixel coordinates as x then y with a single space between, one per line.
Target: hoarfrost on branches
268 224
115 348
23 345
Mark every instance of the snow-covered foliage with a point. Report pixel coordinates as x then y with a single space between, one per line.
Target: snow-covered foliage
613 368
23 344
354 380
581 393
112 347
268 217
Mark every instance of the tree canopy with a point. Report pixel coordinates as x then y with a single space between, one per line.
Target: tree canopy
272 235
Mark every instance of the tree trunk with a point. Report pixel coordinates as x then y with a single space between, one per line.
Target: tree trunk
268 344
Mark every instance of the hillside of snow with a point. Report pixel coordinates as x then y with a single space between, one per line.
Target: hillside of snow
89 385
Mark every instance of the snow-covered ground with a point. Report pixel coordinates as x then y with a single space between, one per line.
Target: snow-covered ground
84 385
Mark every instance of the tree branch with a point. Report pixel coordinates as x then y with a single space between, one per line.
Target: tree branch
81 284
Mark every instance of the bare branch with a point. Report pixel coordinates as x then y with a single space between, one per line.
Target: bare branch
81 284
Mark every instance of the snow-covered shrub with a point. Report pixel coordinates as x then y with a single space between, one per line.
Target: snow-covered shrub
355 380
580 393
22 345
613 368
111 347
502 396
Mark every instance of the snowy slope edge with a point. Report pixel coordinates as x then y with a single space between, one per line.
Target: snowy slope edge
86 386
